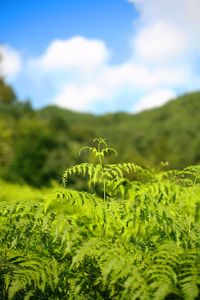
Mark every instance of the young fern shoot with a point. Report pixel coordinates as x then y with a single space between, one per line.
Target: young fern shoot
99 153
100 173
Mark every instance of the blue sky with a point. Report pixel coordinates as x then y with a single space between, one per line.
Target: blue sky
31 25
103 55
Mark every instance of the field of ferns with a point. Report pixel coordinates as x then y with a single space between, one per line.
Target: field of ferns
128 233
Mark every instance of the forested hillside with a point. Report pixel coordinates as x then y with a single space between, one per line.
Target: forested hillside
36 146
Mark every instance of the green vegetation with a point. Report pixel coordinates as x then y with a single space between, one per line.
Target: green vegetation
113 230
115 239
37 145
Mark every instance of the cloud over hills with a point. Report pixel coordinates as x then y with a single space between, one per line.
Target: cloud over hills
165 50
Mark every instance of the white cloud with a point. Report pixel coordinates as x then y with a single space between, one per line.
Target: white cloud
114 80
10 62
154 99
77 53
136 77
78 97
159 43
186 11
182 15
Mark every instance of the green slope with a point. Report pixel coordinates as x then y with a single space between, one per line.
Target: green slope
169 133
36 146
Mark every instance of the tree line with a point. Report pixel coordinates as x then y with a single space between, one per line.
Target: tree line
36 146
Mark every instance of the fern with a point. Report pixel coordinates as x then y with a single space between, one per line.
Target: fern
134 234
103 174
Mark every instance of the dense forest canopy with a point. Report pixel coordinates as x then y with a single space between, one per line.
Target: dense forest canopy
36 146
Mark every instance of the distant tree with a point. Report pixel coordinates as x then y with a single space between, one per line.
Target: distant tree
7 94
32 148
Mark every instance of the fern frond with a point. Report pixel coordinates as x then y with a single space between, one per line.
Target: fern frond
81 169
190 275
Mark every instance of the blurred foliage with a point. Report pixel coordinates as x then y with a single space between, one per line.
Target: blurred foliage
37 145
7 94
